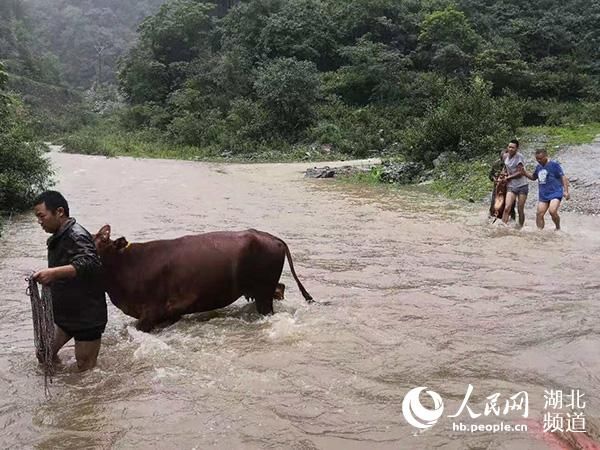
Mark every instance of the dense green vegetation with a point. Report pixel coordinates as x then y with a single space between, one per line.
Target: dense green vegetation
23 169
86 37
416 78
19 50
62 55
289 79
46 51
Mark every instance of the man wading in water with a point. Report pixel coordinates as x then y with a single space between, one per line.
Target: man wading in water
553 187
518 186
73 274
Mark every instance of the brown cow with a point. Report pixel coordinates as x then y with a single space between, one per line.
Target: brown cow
159 281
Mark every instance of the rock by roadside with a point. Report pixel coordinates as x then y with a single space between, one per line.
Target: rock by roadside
390 172
332 172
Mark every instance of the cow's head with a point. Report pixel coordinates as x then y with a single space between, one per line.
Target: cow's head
105 245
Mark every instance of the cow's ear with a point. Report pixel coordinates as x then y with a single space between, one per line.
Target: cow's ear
121 243
104 233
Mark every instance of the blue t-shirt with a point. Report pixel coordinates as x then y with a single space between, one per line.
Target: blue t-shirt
550 181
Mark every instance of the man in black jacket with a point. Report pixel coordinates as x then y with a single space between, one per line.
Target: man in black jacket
74 277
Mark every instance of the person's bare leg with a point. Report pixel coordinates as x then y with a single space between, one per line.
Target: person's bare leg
541 211
510 200
60 339
521 209
553 210
86 354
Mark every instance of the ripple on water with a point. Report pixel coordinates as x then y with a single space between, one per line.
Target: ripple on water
413 293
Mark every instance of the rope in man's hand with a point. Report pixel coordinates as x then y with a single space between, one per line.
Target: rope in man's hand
43 328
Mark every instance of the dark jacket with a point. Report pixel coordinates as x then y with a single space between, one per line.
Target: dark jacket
79 303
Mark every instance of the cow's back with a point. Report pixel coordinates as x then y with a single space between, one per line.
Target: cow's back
193 273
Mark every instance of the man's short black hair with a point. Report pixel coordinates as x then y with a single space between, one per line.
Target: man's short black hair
541 151
53 200
515 141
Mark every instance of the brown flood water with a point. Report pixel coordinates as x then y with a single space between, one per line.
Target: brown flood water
413 293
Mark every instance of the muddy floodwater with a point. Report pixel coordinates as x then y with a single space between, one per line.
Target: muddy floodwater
413 291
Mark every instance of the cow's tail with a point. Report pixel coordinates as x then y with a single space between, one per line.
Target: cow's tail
305 293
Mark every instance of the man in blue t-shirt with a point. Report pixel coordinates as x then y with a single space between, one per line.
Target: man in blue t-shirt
553 187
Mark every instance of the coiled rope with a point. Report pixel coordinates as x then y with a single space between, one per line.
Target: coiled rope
43 328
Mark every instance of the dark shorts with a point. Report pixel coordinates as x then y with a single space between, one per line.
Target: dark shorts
519 190
90 334
543 200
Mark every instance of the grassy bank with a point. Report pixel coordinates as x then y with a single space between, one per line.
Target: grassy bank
107 139
372 177
469 180
465 181
459 180
556 137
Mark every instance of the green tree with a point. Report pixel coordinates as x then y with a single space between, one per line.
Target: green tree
390 22
87 36
169 42
288 89
143 79
241 29
23 170
504 68
302 29
374 72
468 121
447 41
178 32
